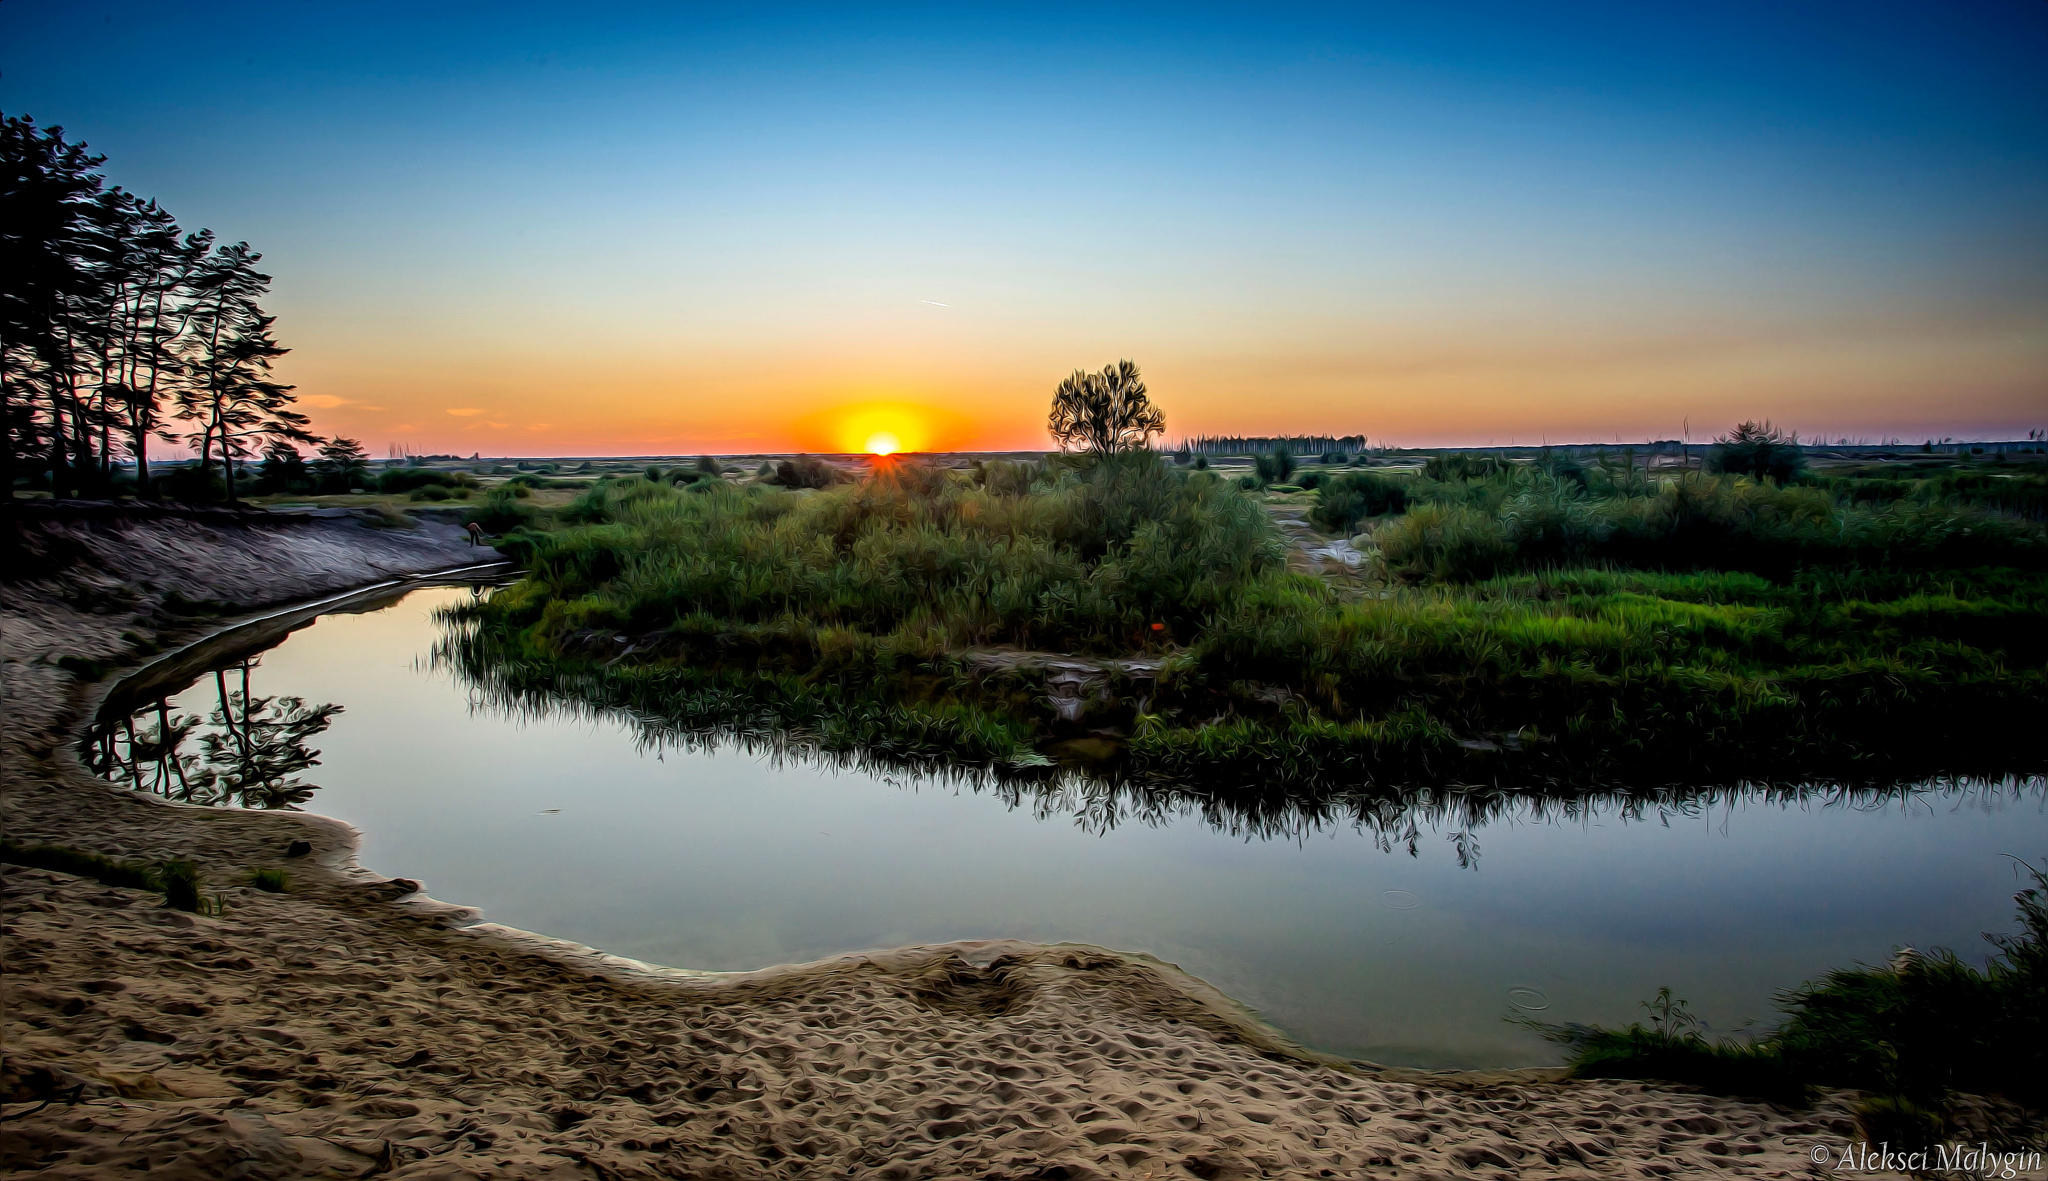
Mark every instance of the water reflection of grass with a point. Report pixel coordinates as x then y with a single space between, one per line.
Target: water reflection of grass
713 710
1525 624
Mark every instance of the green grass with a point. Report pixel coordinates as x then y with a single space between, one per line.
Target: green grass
177 879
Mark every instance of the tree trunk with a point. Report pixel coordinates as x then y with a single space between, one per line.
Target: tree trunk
141 445
8 441
57 444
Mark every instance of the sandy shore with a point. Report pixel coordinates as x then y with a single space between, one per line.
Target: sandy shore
353 1028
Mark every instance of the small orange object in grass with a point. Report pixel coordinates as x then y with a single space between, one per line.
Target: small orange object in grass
1159 627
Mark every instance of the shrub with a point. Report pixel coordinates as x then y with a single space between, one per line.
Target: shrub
806 471
1275 468
1343 501
501 511
1758 450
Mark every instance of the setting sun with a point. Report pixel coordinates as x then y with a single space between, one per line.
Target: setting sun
882 443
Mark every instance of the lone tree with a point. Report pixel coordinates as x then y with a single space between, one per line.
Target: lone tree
1760 450
1104 413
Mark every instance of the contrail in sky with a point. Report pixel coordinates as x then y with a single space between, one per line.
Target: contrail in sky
935 303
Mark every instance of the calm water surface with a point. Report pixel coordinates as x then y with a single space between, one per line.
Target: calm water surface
733 860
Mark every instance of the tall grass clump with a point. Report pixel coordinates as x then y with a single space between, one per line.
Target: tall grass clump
180 880
1912 1032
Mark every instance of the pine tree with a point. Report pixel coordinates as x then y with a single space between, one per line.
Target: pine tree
343 464
231 395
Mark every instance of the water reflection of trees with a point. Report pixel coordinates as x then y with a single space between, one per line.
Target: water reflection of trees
248 751
1099 799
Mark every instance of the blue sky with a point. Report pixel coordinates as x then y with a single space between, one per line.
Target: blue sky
638 228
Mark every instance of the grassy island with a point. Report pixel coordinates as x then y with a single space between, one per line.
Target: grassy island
1509 623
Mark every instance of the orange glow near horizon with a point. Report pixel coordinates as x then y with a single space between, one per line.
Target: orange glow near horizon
882 428
1414 388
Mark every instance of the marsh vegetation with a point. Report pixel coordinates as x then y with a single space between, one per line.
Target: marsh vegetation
1515 623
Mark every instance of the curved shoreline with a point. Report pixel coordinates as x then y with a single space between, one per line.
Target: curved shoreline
355 1027
174 666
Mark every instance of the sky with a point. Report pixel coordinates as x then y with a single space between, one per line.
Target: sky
658 229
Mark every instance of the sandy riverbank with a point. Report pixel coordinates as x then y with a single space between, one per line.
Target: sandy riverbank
350 1029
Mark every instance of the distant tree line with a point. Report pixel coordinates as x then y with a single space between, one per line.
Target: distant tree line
1267 444
118 328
